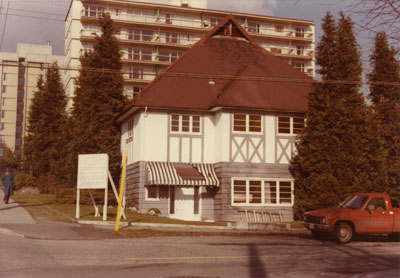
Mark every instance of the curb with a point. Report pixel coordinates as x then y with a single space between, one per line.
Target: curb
111 224
7 232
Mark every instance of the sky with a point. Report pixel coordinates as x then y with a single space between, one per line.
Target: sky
42 21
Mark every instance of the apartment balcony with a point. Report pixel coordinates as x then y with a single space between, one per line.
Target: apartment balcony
171 21
274 34
182 42
290 52
139 77
148 59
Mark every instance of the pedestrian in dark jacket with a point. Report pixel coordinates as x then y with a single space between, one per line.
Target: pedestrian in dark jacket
8 182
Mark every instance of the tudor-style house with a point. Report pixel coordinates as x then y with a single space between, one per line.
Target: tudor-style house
214 133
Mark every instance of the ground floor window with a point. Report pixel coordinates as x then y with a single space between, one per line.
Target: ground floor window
255 192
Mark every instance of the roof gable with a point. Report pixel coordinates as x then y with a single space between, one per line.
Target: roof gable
226 68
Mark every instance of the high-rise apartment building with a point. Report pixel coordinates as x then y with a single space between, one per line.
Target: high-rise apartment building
152 36
19 75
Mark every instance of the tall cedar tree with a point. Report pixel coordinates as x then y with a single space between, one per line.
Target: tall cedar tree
44 144
386 104
332 157
99 99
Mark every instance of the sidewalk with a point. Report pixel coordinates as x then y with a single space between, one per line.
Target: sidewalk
13 213
16 221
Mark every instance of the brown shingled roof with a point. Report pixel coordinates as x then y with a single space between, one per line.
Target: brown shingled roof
244 74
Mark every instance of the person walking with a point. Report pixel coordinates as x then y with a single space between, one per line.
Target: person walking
8 182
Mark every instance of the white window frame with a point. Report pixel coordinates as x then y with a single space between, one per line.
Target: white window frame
129 130
147 198
247 124
263 181
180 127
291 125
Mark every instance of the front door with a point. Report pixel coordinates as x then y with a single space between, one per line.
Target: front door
379 219
186 204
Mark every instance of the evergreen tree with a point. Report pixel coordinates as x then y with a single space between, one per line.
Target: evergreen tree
386 104
333 151
44 143
99 99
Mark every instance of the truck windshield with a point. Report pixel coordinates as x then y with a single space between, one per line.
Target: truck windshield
354 202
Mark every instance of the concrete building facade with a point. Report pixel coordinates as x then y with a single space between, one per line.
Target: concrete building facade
20 71
152 36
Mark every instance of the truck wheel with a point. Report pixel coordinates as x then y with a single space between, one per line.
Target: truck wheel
343 232
394 237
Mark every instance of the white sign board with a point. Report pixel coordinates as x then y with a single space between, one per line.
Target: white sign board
93 171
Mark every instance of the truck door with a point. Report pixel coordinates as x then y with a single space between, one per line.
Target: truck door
379 220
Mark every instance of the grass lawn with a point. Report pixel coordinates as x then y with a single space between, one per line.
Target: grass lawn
38 206
44 206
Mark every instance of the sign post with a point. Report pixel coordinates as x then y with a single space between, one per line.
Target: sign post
121 190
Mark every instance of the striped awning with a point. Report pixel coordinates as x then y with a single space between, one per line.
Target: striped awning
165 173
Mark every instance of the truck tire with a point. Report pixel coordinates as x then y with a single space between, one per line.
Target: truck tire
343 232
394 237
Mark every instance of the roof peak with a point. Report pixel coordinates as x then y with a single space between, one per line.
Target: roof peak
228 27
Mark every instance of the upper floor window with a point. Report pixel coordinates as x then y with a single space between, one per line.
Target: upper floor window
299 32
185 123
140 35
92 10
300 50
290 125
253 27
299 65
168 55
130 128
140 54
247 123
279 28
214 22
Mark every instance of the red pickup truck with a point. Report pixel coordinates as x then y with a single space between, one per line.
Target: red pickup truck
366 213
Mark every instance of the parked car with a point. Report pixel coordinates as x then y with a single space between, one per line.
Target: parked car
367 213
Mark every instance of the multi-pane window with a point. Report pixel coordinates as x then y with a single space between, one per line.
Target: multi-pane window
140 35
247 123
171 37
300 50
214 22
290 125
92 11
4 76
3 89
130 128
1 126
168 55
262 192
185 123
299 32
136 73
2 113
253 27
279 28
140 54
299 65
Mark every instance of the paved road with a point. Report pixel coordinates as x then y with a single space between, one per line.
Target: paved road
36 248
268 256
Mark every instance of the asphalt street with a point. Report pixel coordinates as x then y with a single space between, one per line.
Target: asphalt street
36 248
